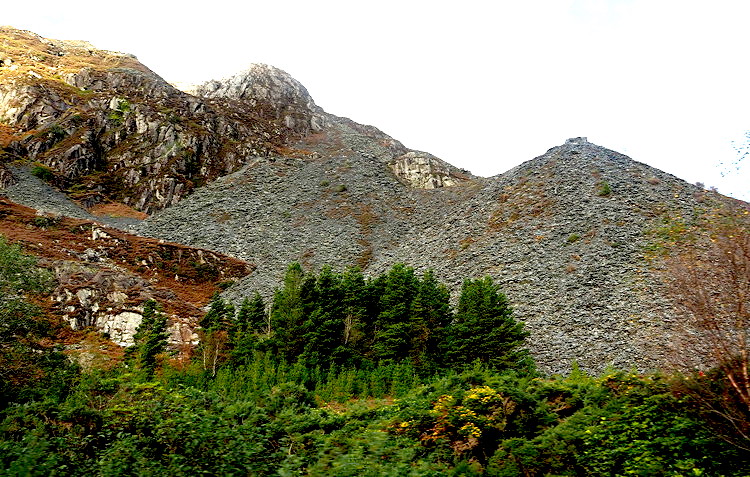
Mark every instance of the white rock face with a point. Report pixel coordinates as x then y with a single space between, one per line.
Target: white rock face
84 294
91 295
117 297
24 105
423 171
98 233
120 327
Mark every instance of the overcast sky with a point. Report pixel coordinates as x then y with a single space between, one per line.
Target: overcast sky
485 85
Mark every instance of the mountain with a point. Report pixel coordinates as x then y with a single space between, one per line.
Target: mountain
251 167
103 276
110 129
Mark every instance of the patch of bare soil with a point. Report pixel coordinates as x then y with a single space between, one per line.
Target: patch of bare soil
116 209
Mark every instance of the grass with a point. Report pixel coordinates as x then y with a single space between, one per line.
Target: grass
29 52
604 189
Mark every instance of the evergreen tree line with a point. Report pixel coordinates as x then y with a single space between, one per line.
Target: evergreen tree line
259 399
346 321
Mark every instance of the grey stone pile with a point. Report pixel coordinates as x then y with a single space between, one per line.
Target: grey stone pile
563 234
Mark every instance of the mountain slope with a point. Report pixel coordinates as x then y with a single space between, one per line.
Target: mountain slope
103 276
564 235
251 167
109 129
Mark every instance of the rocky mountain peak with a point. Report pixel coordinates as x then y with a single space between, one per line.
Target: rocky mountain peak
577 140
273 90
80 112
259 82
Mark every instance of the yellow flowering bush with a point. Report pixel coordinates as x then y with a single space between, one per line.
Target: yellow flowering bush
462 422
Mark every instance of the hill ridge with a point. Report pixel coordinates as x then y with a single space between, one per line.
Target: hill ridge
568 253
261 173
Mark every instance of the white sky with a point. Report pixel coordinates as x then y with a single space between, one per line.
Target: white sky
484 85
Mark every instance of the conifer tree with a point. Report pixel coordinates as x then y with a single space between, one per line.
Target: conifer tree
287 314
392 338
252 316
355 316
250 324
484 329
150 337
429 315
220 315
324 327
217 326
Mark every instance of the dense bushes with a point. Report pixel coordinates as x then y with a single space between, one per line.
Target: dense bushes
396 384
260 419
30 367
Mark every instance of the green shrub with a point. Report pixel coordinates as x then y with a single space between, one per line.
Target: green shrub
45 222
117 115
604 189
43 172
54 133
225 284
123 105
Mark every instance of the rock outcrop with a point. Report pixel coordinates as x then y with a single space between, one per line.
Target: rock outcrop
273 92
112 130
103 276
425 171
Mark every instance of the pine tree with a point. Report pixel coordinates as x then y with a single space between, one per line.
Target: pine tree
250 324
429 315
220 315
324 327
252 316
355 318
150 338
287 313
217 328
484 329
392 338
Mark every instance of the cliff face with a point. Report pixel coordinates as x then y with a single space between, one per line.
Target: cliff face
103 275
250 166
112 130
273 92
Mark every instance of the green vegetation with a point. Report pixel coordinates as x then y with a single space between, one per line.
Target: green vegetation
29 368
43 172
45 221
53 134
341 376
117 115
150 338
604 189
572 238
225 284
